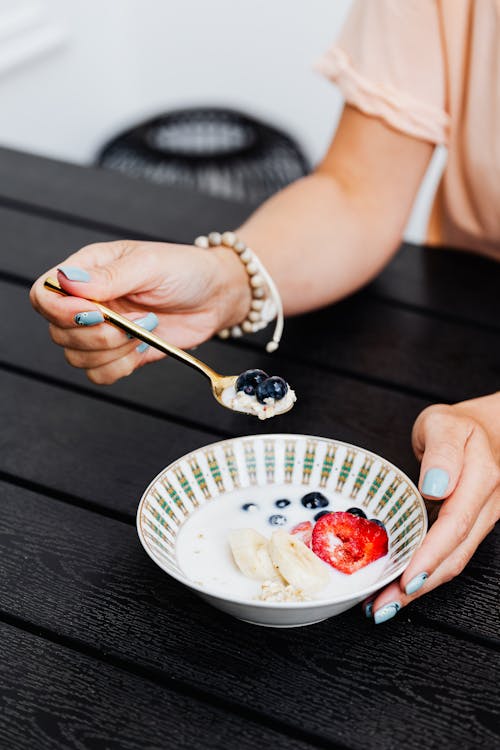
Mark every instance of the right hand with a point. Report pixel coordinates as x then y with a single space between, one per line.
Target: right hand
193 293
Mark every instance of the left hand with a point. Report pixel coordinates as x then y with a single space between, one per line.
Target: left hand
459 447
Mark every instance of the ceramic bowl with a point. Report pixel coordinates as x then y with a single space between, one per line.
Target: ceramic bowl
346 474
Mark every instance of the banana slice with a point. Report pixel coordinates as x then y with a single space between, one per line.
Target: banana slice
250 552
298 565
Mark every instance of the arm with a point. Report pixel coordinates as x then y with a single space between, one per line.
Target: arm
328 234
321 238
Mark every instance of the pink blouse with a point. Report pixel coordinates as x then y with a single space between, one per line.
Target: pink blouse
431 69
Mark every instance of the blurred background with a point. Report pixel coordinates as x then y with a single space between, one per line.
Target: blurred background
74 74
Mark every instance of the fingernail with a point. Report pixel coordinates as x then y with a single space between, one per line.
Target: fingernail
149 322
74 274
91 318
386 612
435 482
416 583
368 609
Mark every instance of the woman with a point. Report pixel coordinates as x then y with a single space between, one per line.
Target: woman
414 74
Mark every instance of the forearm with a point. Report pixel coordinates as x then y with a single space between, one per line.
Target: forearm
320 241
326 235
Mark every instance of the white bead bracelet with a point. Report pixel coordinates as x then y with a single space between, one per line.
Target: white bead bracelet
266 302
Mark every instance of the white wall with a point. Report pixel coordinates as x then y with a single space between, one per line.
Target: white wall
74 72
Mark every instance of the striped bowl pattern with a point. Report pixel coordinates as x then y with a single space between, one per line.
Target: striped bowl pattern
343 471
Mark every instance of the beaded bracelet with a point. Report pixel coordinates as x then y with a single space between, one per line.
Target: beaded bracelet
266 302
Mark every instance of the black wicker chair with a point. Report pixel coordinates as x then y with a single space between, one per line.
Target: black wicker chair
216 151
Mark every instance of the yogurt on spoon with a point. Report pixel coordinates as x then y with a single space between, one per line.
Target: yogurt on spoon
256 393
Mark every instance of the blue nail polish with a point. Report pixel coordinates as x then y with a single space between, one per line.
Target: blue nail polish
149 322
435 482
368 609
74 274
416 583
91 318
386 612
142 347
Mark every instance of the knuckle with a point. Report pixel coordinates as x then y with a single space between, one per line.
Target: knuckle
462 525
457 565
102 337
101 376
34 297
492 475
72 357
434 414
56 334
129 365
149 260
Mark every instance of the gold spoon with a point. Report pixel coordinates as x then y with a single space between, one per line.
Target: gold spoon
219 382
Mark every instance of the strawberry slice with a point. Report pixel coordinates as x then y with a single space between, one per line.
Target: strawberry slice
304 532
347 542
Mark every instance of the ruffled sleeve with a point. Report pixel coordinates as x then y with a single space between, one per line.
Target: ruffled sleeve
389 63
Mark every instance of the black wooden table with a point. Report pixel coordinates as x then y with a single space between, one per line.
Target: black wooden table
100 649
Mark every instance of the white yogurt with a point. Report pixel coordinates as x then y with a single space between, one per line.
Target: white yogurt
250 405
204 555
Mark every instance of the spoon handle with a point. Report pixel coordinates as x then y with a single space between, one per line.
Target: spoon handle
140 333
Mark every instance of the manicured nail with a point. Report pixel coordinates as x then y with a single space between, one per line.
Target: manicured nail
435 482
386 612
74 274
91 318
149 322
368 609
416 583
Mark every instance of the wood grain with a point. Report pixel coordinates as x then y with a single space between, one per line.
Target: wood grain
87 578
455 284
55 698
111 202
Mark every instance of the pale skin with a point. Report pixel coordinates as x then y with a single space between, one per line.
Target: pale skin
348 218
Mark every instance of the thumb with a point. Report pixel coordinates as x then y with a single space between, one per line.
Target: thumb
439 439
104 276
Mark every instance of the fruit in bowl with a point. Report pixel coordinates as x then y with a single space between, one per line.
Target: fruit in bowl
265 527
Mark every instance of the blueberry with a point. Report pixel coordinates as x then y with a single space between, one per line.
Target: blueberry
249 380
379 523
249 507
321 514
282 503
314 500
277 520
356 512
274 387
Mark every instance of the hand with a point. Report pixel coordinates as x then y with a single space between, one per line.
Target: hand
459 447
183 292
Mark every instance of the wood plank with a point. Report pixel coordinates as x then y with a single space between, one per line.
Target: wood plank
87 578
366 337
111 201
363 336
425 277
32 244
101 453
376 418
54 698
452 283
